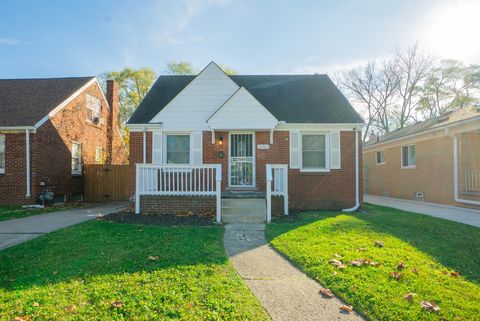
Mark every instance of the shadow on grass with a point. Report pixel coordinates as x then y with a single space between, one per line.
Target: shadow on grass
100 248
454 245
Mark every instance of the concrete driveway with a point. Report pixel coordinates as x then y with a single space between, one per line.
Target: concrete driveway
452 213
19 230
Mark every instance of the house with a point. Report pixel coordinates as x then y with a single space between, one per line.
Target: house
437 160
239 145
49 129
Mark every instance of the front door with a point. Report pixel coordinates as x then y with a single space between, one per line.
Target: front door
241 169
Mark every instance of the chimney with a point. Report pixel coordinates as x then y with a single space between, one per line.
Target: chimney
112 98
372 137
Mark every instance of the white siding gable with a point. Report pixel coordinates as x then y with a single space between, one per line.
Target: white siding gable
191 108
242 111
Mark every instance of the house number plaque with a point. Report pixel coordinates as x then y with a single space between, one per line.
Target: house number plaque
263 146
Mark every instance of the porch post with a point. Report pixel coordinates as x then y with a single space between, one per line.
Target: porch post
218 190
27 160
137 189
144 145
285 190
269 192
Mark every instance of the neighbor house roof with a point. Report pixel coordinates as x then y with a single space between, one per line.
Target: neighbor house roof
24 102
448 119
290 98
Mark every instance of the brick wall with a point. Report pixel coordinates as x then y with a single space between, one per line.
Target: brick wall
178 205
333 190
50 150
433 174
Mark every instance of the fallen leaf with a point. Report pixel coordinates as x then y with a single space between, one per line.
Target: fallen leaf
363 249
153 258
401 266
326 293
379 244
414 270
338 256
71 308
342 266
409 296
454 274
23 318
36 304
346 308
335 273
356 263
335 262
429 306
117 304
396 275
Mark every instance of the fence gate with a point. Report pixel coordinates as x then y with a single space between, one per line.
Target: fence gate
106 183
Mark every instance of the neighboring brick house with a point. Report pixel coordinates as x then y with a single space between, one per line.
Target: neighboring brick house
197 141
49 129
437 160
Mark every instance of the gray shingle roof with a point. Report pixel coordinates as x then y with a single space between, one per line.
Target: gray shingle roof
290 98
24 102
429 124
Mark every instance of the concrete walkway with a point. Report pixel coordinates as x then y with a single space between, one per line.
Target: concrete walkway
284 291
19 230
452 213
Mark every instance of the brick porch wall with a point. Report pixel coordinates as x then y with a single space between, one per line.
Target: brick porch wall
178 205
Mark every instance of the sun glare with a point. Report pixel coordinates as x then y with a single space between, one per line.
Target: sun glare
453 31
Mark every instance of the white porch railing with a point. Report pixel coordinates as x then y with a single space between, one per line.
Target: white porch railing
277 185
471 181
179 180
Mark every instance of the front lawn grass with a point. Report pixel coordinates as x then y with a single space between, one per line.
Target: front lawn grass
78 272
11 212
431 249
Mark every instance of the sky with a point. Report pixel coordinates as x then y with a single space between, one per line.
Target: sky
57 38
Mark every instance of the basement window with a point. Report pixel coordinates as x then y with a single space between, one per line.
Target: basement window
2 154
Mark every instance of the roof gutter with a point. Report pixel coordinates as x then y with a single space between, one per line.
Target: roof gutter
17 128
357 185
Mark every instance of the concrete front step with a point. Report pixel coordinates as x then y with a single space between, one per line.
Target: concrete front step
245 210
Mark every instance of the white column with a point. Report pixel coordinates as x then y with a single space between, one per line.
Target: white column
144 145
27 160
218 189
268 193
137 189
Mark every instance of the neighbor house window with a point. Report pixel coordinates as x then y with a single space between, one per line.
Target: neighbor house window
178 149
380 155
409 156
94 109
99 155
314 151
76 159
2 154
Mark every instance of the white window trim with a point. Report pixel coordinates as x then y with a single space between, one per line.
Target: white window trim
376 158
2 169
164 147
327 152
77 172
401 157
99 116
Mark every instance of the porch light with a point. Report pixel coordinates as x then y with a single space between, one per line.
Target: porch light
220 141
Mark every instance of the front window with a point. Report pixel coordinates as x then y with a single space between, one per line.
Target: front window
380 157
178 149
94 109
76 159
314 154
409 156
2 154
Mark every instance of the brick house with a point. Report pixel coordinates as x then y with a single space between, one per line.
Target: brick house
244 145
437 160
49 129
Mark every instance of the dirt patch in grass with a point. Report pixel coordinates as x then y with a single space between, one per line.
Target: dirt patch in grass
161 220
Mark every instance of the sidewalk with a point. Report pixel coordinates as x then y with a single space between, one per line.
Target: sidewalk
452 213
285 292
19 230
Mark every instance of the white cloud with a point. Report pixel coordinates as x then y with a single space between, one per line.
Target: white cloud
12 42
309 68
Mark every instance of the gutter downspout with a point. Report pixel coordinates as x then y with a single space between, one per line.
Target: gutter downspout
357 202
27 160
455 172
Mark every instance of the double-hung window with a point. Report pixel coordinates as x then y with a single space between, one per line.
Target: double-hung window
94 109
2 154
314 152
409 156
380 157
99 155
178 149
76 159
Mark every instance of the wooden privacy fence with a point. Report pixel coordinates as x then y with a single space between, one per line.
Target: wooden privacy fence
106 183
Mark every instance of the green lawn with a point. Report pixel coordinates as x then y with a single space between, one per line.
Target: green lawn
78 272
11 212
430 248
